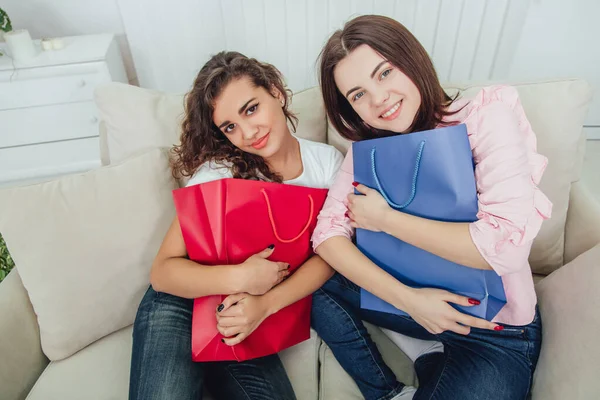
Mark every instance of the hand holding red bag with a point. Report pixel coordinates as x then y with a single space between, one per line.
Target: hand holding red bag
227 221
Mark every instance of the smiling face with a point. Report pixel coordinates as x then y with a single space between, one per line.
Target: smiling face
380 93
251 118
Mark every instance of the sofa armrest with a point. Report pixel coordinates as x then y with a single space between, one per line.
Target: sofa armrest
103 142
20 347
582 230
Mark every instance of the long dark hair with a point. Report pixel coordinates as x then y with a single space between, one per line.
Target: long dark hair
395 43
201 140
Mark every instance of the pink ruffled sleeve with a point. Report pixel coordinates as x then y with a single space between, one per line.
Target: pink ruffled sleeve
508 171
332 220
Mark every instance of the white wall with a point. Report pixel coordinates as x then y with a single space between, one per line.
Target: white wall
51 18
562 38
467 39
544 38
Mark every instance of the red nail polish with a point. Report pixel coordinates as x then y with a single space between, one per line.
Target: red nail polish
499 328
474 302
346 214
355 184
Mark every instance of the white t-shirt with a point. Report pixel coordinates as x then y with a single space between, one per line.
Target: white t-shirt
320 162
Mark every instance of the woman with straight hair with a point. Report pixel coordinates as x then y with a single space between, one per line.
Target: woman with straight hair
378 81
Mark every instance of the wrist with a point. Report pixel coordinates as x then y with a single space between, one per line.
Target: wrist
405 296
269 303
387 220
236 278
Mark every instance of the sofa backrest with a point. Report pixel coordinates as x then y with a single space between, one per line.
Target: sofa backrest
136 119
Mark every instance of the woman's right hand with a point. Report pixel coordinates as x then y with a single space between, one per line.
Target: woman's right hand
430 309
259 275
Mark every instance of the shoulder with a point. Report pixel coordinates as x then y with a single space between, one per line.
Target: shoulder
495 113
498 101
320 151
321 162
210 171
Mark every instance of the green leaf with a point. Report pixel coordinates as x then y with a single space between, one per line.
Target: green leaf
6 261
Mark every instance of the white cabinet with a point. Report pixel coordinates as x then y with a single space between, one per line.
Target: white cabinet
48 120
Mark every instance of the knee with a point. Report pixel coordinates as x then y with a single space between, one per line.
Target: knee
497 380
157 309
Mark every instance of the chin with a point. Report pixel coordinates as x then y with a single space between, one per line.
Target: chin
397 126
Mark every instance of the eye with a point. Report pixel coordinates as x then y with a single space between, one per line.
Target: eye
358 96
229 128
385 73
252 110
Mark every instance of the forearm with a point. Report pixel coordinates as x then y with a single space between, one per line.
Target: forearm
348 260
449 240
309 277
185 278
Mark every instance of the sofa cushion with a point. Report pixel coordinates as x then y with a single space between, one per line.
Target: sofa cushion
569 301
98 372
101 371
95 236
337 384
136 119
556 111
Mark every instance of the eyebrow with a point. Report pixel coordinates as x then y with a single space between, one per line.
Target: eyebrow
372 75
377 68
240 111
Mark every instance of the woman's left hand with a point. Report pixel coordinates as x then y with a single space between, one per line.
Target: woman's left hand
241 314
367 210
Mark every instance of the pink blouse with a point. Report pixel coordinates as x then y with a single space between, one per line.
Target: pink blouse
511 206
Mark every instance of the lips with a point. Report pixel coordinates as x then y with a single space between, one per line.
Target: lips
392 112
262 142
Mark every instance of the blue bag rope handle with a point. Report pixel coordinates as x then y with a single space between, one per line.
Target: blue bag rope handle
414 180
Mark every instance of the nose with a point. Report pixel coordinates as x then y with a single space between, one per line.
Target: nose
379 96
249 131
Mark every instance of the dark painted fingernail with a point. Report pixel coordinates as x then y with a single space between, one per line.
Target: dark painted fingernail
223 340
220 308
346 215
355 184
271 246
474 302
499 328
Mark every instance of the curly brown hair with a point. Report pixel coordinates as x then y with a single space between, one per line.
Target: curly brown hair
202 141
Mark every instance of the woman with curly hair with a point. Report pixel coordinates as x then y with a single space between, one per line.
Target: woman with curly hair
236 125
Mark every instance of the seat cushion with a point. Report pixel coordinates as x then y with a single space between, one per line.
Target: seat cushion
337 384
98 372
95 236
101 371
569 301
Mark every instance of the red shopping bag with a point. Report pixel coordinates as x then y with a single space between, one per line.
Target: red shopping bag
227 221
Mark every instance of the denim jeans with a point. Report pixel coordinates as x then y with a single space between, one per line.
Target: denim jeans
483 365
162 366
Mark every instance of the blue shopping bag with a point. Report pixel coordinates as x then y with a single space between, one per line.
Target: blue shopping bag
429 174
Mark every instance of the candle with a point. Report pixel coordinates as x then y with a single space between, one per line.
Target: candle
46 44
57 43
20 45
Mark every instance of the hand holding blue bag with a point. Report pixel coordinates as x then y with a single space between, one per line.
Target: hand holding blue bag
429 174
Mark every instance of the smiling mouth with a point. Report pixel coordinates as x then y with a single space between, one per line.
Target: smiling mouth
391 111
260 143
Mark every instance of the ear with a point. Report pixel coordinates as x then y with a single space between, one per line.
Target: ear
278 95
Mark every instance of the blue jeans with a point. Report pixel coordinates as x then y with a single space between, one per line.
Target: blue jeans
162 366
483 365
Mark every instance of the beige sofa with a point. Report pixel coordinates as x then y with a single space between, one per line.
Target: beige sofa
83 247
